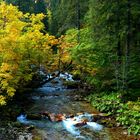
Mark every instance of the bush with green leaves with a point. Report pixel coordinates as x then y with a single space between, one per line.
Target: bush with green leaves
104 102
127 114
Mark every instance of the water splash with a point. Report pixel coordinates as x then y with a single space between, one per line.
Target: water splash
81 137
66 76
69 125
22 119
88 117
95 126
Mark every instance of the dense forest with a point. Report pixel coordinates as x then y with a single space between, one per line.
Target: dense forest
97 41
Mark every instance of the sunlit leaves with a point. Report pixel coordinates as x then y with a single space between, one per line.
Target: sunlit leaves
22 43
2 100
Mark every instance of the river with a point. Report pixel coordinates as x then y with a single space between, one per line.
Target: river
63 116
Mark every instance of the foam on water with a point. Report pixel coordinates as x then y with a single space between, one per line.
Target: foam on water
88 116
22 119
69 125
66 76
95 126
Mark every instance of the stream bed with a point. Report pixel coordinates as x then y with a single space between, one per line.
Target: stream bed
77 123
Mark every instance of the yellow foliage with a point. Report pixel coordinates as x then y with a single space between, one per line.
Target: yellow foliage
22 44
6 76
5 67
4 84
134 105
11 91
64 49
2 100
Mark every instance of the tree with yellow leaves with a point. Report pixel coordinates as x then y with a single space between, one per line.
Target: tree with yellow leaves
22 44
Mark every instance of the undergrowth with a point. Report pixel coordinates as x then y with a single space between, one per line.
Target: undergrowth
127 114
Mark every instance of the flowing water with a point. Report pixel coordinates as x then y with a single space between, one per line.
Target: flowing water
54 98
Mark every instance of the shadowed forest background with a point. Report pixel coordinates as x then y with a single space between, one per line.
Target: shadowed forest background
97 41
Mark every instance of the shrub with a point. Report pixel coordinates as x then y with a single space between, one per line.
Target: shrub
127 114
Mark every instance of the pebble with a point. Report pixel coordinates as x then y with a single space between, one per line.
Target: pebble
125 133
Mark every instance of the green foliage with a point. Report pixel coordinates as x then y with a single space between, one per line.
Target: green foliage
108 103
71 84
102 55
127 114
65 15
101 42
30 6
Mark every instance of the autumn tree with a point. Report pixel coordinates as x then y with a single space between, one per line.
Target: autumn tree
22 46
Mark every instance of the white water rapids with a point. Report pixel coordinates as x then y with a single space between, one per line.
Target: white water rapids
55 98
70 123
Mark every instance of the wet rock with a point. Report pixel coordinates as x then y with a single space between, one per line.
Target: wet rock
55 95
9 131
25 136
81 123
60 117
29 128
34 116
21 137
70 116
56 117
118 124
54 82
97 118
52 117
80 113
125 133
78 99
45 113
